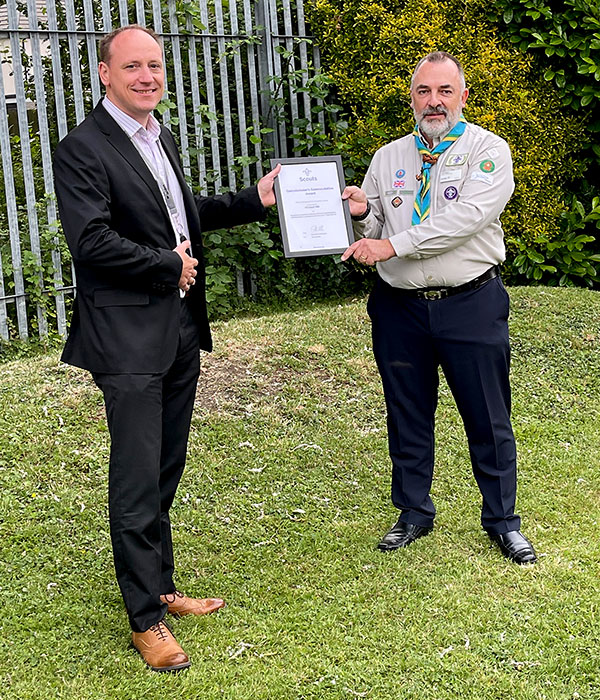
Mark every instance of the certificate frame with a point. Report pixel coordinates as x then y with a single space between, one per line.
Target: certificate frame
337 225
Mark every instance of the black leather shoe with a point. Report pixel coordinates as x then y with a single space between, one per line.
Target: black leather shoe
515 546
401 535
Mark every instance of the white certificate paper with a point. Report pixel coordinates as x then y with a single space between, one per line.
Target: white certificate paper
314 219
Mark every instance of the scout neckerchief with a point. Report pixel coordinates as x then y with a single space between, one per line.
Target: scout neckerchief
430 157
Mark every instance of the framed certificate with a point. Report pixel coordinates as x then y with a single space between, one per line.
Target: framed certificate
314 219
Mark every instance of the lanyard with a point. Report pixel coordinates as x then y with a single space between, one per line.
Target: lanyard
168 198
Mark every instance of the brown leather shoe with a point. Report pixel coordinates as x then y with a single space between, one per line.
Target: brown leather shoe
159 649
180 605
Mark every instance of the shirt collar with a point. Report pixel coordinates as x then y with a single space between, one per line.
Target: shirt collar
435 140
129 125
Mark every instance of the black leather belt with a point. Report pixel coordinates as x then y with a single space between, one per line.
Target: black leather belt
435 293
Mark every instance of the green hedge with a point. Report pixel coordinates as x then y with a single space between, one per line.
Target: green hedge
370 47
566 37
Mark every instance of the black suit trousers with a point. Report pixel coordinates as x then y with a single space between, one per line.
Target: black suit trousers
149 418
467 336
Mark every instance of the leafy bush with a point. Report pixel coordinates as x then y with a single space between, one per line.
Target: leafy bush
565 41
567 37
370 48
566 260
254 253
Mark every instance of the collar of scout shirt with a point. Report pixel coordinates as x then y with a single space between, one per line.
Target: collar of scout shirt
435 140
148 140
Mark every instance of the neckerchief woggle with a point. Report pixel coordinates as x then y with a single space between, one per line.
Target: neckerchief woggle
422 206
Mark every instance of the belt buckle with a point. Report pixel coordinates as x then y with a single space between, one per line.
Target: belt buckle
433 295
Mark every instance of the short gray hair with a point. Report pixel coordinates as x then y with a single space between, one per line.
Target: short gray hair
440 57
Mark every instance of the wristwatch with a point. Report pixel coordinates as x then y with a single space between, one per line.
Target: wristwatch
364 215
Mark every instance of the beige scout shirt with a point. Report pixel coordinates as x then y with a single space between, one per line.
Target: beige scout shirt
470 186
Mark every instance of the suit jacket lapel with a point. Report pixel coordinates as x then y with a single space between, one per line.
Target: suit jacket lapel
119 140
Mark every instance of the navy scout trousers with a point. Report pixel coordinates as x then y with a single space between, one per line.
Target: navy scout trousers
467 336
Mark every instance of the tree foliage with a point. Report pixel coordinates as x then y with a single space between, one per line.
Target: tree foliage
370 48
566 37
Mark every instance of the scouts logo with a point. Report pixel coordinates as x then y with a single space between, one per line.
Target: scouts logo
396 202
488 166
399 180
307 176
457 159
450 193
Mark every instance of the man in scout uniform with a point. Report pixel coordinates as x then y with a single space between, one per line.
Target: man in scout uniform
428 217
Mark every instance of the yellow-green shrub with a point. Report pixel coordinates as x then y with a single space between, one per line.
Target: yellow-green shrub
370 48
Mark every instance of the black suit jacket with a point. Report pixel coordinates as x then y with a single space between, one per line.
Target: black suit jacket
126 313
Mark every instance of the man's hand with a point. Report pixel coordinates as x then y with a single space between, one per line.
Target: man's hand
357 200
188 269
265 187
369 251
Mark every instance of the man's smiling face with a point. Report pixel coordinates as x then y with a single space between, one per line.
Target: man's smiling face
133 75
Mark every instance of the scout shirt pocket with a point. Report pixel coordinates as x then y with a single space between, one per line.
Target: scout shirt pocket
450 177
449 184
398 207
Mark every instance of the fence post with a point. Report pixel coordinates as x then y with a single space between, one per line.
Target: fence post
223 123
266 71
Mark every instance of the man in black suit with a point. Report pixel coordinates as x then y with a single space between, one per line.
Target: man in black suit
139 320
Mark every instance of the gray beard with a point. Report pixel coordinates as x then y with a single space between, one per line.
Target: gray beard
437 130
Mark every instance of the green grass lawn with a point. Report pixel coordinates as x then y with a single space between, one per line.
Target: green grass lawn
285 496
